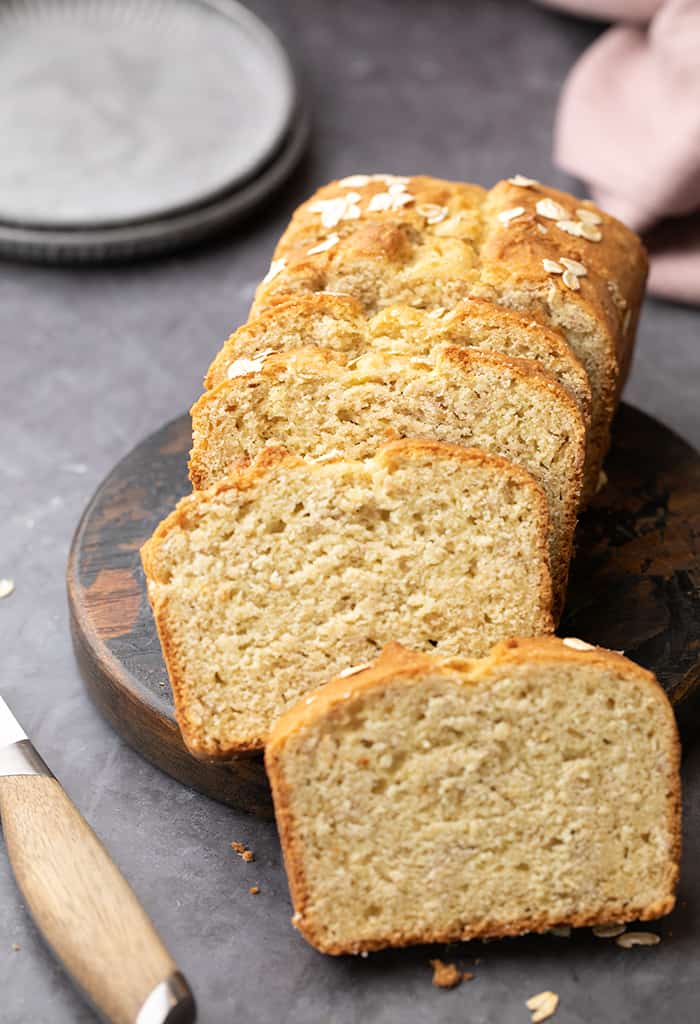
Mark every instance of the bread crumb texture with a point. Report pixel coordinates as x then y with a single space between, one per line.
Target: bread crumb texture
310 402
433 799
265 586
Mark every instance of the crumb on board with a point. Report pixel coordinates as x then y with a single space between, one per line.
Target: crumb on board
630 939
242 850
448 975
16 947
254 890
6 587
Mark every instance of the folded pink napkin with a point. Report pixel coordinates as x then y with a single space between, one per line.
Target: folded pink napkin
629 125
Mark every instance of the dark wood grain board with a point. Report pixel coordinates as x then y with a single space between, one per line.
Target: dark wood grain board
635 586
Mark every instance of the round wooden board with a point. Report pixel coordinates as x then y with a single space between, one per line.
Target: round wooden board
635 586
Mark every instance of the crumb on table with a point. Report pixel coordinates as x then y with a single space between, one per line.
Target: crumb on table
254 890
448 975
242 850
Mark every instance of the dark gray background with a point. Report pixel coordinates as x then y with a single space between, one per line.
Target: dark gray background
94 360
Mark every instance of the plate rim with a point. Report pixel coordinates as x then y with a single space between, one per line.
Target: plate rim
238 14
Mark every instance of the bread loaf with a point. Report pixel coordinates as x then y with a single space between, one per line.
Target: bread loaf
430 243
311 402
337 323
266 584
432 799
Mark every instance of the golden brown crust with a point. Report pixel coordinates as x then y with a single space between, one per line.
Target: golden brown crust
399 253
247 477
310 314
395 663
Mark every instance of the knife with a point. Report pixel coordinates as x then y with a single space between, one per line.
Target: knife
79 899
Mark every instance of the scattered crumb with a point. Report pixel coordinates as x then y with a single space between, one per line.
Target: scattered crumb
6 587
608 931
630 939
448 975
254 890
562 931
242 850
542 1006
16 947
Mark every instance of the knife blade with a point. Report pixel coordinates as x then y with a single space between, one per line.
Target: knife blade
81 902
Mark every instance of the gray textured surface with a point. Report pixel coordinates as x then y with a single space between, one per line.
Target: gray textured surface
91 361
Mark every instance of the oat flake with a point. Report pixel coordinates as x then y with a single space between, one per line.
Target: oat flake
506 216
522 181
275 267
589 216
325 245
551 210
630 939
608 931
577 645
542 1006
552 267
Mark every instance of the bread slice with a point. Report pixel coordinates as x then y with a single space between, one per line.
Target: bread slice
337 323
269 582
430 243
311 402
432 799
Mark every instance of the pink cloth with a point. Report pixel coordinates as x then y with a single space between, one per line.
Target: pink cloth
629 125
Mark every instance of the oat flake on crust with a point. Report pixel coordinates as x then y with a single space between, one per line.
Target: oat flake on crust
325 245
550 209
506 216
577 645
276 267
522 182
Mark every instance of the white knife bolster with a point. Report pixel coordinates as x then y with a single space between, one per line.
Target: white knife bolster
22 758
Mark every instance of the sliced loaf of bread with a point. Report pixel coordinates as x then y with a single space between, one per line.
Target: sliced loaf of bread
432 799
430 243
311 402
266 584
337 323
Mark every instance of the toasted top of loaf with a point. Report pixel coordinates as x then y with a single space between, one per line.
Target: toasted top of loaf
337 323
436 233
311 402
267 583
421 798
430 243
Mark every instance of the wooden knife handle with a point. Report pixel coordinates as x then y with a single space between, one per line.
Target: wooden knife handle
84 906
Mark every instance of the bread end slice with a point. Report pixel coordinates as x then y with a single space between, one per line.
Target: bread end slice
431 799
